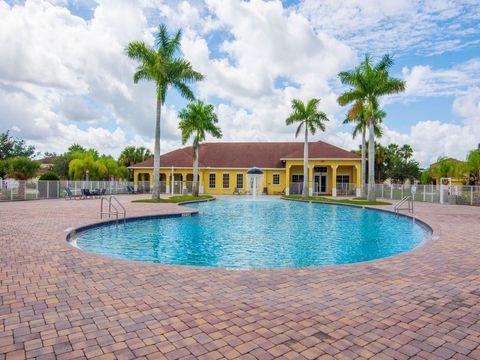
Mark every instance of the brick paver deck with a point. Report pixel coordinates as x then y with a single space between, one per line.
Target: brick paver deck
60 302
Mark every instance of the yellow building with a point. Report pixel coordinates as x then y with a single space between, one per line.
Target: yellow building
223 169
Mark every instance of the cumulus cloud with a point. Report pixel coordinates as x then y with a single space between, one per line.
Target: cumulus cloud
55 61
425 27
423 80
65 79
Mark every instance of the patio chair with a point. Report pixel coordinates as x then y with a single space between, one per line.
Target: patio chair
131 190
86 193
70 195
236 191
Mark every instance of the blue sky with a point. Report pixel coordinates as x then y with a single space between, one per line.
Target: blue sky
64 76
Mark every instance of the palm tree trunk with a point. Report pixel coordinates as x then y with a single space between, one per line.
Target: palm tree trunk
195 168
305 163
371 160
364 164
156 153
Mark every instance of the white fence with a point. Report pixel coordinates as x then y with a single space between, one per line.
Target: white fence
11 190
343 189
442 194
30 190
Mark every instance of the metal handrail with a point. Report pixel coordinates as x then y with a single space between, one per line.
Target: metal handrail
116 211
406 199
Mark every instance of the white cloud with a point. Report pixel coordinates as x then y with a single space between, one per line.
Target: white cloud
263 45
56 59
423 27
423 80
64 79
432 138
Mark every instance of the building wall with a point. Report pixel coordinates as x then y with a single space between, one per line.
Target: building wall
334 167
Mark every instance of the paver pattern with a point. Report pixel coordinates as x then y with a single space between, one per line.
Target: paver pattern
57 301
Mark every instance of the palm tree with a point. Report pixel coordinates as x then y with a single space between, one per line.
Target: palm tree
311 119
198 119
132 155
162 65
361 128
368 83
22 168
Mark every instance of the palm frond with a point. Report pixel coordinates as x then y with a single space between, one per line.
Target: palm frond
385 63
349 96
299 128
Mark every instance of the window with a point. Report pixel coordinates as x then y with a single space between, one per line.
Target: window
226 181
343 182
297 178
343 179
211 181
320 169
276 179
239 181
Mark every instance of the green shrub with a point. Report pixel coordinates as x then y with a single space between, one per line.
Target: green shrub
50 175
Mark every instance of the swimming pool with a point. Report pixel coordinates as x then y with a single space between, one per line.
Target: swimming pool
261 233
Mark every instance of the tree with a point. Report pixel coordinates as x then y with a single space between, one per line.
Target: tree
97 167
49 175
76 148
473 165
368 83
445 168
13 147
426 177
86 163
22 168
132 155
162 65
361 122
311 119
196 120
3 168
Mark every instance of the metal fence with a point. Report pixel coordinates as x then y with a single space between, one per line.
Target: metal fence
441 194
30 190
11 190
343 189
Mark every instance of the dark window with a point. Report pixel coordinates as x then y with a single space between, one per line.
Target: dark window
211 181
297 178
226 181
276 179
343 181
239 181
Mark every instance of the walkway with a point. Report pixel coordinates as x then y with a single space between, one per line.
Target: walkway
59 302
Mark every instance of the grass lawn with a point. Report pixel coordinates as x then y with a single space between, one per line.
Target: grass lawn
336 201
175 199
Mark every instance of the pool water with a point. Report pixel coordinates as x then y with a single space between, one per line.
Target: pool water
263 233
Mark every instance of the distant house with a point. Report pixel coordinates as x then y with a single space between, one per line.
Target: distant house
46 164
456 178
223 168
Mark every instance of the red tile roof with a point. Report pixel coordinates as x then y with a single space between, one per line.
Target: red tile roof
248 154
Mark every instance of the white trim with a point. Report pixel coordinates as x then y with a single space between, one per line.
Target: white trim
309 159
204 168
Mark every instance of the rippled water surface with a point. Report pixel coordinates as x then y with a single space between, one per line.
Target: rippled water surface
264 233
